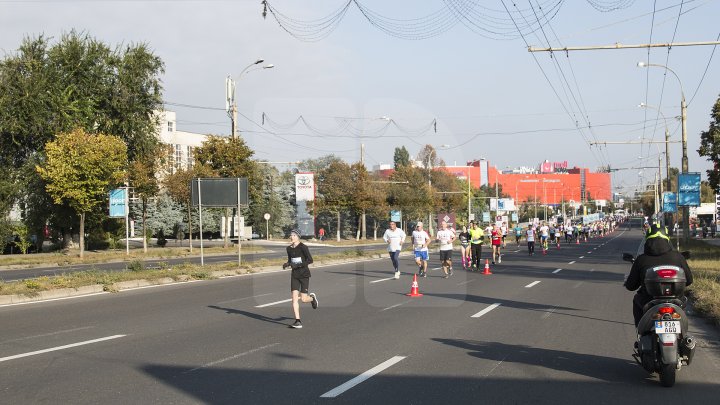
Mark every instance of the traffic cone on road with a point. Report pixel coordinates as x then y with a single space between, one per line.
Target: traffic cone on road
577 240
414 289
486 272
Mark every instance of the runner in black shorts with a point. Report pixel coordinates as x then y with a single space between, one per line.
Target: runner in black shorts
298 259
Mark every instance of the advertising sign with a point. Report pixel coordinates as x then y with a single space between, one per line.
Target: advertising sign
514 217
304 187
396 216
502 204
688 189
486 217
669 202
447 217
118 203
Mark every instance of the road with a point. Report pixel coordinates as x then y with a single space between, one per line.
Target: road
271 251
553 329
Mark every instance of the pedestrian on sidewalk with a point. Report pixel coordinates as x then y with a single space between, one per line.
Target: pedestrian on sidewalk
394 237
476 241
298 259
446 236
321 234
421 240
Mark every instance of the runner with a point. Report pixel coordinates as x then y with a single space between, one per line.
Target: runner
518 233
446 236
558 234
544 232
394 237
421 240
464 237
530 235
504 230
476 241
496 240
298 259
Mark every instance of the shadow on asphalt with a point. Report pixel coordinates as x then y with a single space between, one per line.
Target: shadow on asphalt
279 320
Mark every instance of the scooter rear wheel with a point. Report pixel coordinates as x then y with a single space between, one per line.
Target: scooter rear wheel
667 375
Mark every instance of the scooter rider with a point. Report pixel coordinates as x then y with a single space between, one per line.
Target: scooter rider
657 251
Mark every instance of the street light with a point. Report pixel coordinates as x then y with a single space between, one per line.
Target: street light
683 117
230 104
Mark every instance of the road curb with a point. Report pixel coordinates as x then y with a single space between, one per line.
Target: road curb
51 294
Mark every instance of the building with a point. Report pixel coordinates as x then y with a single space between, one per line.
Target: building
180 144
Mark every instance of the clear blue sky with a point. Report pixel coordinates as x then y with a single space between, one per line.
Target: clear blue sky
489 96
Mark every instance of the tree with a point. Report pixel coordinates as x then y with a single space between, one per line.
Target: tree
81 168
145 185
333 185
710 146
362 200
401 157
231 157
177 186
414 197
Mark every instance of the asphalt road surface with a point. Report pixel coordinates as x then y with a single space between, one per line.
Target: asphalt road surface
554 329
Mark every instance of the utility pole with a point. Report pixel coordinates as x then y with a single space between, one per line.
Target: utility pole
363 217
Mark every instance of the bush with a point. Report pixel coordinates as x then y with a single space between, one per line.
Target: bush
136 265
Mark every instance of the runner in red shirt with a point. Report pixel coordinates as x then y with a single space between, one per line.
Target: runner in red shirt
496 238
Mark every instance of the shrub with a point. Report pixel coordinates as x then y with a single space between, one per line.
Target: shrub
161 241
136 265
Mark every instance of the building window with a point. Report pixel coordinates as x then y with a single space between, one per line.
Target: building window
170 126
178 156
190 158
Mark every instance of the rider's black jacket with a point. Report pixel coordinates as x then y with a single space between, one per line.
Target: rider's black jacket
658 251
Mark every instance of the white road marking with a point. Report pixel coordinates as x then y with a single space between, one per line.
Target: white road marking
578 284
572 262
53 349
273 303
556 271
46 334
382 279
590 252
581 257
516 251
548 313
534 283
242 299
55 299
362 377
395 306
466 282
486 310
231 357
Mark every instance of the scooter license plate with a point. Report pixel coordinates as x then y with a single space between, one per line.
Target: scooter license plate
667 327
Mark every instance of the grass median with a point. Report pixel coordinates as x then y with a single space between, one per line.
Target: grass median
136 270
705 264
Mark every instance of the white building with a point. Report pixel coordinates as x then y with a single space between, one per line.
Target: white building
181 144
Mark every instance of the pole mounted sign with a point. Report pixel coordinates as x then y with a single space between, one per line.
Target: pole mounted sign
669 202
689 189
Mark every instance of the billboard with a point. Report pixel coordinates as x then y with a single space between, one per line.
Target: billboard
118 203
688 190
304 187
219 191
669 202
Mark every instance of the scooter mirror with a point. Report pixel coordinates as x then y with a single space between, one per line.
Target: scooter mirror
628 257
686 254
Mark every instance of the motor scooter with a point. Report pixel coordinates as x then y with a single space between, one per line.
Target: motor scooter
663 344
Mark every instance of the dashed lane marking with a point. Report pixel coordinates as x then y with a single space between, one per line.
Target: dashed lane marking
534 283
557 271
232 357
486 310
572 262
53 349
395 306
273 303
581 257
362 377
382 279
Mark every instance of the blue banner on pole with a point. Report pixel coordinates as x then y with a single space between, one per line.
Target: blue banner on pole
118 203
669 202
689 190
396 216
486 217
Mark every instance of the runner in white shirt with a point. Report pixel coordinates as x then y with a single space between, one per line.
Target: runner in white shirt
504 230
530 235
446 236
394 237
421 240
544 234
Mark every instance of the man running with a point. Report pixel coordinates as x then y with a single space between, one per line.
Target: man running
446 237
518 233
544 234
530 236
464 238
476 241
298 259
394 237
504 230
421 240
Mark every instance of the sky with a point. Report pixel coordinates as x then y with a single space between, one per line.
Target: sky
470 93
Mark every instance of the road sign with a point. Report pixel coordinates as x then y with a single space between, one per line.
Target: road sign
669 202
689 189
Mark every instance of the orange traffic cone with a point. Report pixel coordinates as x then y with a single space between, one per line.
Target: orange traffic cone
414 290
486 272
577 240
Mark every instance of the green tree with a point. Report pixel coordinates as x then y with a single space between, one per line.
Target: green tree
177 186
710 146
23 238
81 168
411 193
333 187
401 157
145 185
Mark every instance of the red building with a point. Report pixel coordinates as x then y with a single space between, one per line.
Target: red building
552 184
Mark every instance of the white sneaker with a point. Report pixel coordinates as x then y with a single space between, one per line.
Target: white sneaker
397 275
499 259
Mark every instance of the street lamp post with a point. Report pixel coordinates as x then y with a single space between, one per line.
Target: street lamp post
683 117
230 103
